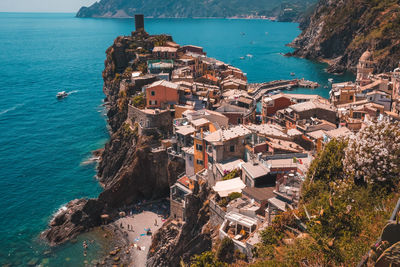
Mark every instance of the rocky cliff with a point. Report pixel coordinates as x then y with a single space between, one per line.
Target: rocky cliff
130 169
340 31
174 241
200 8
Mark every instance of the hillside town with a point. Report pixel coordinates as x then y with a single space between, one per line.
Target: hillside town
251 144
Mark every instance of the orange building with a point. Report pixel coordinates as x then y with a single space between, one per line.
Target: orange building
200 159
162 94
200 153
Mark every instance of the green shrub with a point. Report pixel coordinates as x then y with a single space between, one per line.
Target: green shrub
225 250
139 101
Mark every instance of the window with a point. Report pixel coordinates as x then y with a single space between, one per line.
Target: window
199 147
199 162
155 102
239 120
153 93
190 158
351 97
232 148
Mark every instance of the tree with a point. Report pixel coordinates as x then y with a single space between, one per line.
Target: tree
206 259
225 250
328 165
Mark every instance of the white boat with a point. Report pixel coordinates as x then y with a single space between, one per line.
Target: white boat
62 94
249 55
330 80
292 74
241 57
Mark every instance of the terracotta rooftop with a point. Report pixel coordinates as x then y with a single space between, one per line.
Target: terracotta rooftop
309 105
271 130
285 145
317 134
225 135
339 132
164 83
185 129
185 181
165 49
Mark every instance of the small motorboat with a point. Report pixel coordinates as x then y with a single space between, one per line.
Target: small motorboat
61 94
249 55
241 57
330 80
292 74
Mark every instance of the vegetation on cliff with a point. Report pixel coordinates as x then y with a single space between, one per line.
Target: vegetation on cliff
342 210
341 31
286 9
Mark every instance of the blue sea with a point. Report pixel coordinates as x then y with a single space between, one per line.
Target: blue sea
44 142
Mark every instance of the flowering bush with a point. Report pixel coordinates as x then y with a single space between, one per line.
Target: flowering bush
373 154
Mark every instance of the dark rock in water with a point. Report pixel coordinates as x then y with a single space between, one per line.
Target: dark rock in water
79 216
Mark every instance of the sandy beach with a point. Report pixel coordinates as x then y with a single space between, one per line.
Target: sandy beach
133 228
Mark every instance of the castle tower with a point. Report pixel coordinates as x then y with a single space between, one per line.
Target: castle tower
139 22
365 68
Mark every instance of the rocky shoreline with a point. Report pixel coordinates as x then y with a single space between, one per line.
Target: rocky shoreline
125 169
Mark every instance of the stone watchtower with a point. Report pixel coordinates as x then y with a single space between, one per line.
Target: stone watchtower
139 22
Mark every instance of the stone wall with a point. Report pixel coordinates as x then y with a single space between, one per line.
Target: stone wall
176 209
161 121
217 215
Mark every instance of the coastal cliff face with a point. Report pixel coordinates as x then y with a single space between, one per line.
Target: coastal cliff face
340 31
287 10
174 242
129 169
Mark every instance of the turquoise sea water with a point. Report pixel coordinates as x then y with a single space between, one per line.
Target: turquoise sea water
43 141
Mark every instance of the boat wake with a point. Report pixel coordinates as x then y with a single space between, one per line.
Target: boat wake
11 109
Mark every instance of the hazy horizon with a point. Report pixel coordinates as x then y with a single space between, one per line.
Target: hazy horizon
65 6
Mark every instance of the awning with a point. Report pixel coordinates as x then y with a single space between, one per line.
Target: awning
224 188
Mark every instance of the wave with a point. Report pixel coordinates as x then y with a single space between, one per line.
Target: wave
91 160
11 109
61 209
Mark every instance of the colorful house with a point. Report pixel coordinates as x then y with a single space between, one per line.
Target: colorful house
162 94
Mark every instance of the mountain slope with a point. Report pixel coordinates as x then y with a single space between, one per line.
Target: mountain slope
340 31
190 8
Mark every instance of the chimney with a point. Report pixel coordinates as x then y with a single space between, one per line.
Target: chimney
139 22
